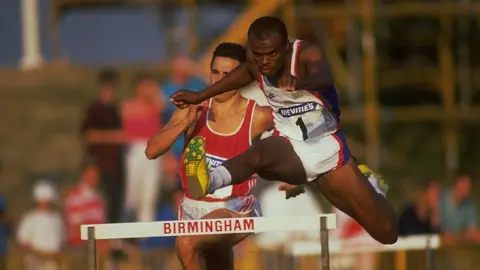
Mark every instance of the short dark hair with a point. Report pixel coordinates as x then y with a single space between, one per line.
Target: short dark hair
263 27
234 51
107 76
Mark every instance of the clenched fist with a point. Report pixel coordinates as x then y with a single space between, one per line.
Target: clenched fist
183 98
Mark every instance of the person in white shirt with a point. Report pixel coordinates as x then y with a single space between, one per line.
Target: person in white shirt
42 231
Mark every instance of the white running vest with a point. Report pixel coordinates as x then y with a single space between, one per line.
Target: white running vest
299 114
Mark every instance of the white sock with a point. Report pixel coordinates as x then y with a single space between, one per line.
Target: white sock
219 177
374 181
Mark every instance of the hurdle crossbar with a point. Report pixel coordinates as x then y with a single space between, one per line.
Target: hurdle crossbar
207 226
94 232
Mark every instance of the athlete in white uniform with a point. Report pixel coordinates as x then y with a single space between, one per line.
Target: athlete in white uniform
309 145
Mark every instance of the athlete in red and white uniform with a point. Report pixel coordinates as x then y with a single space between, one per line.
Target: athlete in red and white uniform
222 146
229 123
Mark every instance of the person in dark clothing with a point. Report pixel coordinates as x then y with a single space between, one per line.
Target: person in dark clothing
422 215
103 136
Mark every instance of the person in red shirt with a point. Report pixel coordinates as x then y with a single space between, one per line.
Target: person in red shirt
141 119
229 123
84 205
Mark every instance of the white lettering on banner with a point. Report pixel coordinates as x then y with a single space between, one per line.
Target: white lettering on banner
208 226
298 109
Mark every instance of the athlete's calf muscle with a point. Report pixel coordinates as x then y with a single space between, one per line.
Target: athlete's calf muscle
348 190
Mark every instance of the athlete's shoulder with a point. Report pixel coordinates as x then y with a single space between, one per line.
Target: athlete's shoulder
181 114
262 120
309 51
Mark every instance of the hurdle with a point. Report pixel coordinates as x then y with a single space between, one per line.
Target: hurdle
254 225
368 245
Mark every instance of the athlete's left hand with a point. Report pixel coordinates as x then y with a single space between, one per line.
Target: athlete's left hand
287 82
291 191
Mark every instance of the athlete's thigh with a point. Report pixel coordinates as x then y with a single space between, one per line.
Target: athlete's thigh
219 258
209 241
348 190
280 162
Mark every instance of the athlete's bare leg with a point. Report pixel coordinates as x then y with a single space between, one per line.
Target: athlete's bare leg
274 159
194 251
219 258
350 191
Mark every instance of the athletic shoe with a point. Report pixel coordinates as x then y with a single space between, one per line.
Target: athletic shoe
196 168
375 179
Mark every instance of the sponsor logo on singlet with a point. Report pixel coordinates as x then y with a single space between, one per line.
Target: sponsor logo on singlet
213 161
297 95
298 109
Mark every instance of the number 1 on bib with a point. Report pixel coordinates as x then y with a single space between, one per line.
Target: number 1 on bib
303 128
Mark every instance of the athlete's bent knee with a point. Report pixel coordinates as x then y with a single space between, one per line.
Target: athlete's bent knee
390 234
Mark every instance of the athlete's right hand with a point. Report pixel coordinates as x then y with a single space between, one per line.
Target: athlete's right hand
194 112
291 191
183 98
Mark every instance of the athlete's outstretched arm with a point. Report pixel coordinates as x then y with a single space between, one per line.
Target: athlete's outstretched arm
317 75
240 77
181 121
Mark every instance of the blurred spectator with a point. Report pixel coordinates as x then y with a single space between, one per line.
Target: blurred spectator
422 215
141 119
41 231
83 205
183 76
102 130
458 213
274 204
5 224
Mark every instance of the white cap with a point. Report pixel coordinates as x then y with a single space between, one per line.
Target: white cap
44 191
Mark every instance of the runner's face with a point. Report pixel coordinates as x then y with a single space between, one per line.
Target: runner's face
269 54
220 68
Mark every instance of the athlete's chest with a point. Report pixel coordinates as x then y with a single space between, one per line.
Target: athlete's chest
281 98
221 146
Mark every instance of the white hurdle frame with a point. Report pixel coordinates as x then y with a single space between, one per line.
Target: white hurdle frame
322 223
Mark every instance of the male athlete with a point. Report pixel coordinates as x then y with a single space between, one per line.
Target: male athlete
309 145
228 123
